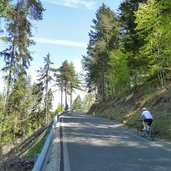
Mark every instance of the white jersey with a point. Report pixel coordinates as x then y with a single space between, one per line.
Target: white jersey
147 115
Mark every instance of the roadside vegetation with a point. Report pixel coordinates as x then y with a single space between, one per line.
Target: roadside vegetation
127 110
26 106
127 66
36 149
128 62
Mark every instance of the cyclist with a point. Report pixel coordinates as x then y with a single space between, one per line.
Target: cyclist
147 117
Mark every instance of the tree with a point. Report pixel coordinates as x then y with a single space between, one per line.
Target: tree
103 38
150 19
19 105
68 81
17 36
77 103
74 82
130 41
49 100
88 101
15 30
2 102
64 81
44 79
37 96
119 75
37 92
59 108
60 83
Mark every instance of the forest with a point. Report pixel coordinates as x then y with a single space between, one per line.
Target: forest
129 48
25 106
126 49
128 63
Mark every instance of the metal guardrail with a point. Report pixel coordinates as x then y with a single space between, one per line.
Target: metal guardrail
40 160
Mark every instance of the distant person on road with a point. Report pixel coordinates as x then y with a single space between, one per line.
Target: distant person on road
147 117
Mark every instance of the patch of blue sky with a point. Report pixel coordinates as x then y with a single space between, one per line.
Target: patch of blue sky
63 32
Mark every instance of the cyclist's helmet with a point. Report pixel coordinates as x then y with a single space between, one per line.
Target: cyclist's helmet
143 109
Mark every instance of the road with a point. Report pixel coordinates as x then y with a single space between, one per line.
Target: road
95 144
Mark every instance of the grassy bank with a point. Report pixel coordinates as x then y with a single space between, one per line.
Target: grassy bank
34 151
127 109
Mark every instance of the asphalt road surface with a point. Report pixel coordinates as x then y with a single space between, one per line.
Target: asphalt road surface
96 144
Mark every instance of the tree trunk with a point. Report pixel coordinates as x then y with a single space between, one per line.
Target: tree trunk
46 103
61 96
71 100
103 86
66 105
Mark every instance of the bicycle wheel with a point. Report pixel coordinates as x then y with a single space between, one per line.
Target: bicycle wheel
141 132
150 134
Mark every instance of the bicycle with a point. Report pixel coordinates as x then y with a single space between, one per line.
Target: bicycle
147 132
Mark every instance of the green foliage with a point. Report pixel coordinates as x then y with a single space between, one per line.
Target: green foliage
131 42
59 108
77 103
15 117
151 22
68 81
88 101
44 80
19 120
124 52
17 35
103 37
130 39
115 64
37 96
118 75
2 102
36 149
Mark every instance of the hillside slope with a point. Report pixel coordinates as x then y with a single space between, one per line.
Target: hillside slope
127 109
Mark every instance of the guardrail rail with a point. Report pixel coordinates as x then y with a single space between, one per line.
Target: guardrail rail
41 158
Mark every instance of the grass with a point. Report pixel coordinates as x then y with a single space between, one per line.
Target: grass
36 149
158 102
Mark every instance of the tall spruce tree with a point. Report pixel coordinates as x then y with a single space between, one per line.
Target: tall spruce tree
59 82
130 40
36 111
74 82
19 104
103 37
64 75
150 19
15 31
68 81
77 104
45 77
118 76
17 37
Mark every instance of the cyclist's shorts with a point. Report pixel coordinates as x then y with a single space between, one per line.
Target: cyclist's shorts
148 121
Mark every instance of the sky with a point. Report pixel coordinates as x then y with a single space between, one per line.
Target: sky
63 32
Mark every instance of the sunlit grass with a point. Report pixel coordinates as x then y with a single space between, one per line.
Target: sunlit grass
36 149
126 112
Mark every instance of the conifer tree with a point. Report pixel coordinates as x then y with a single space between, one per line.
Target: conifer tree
130 40
64 75
17 37
150 19
59 82
103 38
45 77
19 104
68 81
77 104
